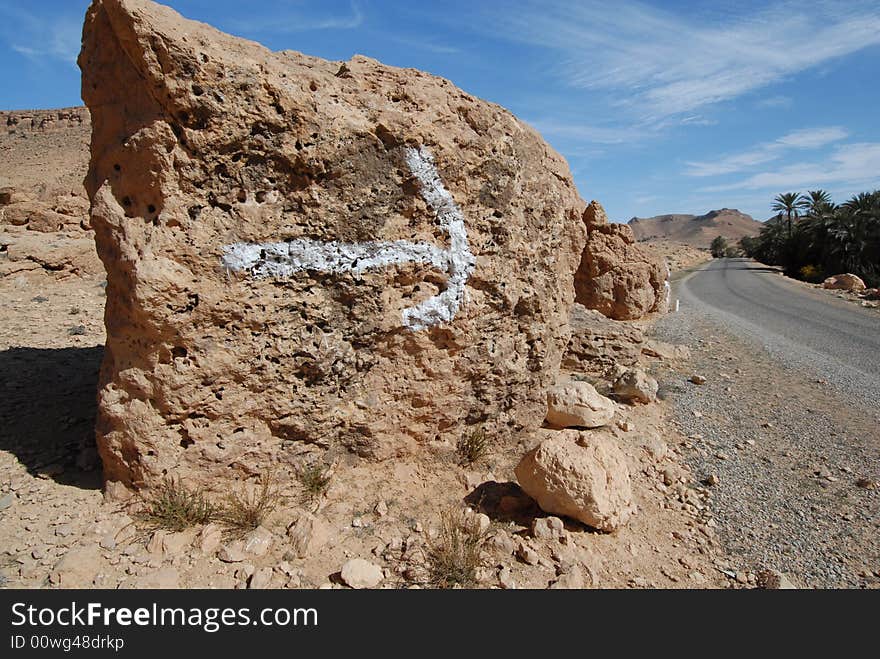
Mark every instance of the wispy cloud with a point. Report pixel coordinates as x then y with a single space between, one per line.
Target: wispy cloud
586 133
852 165
288 22
808 138
659 64
39 41
774 102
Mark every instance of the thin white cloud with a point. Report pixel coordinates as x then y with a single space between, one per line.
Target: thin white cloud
774 102
850 165
39 40
290 23
659 64
585 133
807 138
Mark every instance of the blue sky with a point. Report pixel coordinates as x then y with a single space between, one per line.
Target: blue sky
659 107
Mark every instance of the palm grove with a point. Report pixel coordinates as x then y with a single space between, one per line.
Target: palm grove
812 238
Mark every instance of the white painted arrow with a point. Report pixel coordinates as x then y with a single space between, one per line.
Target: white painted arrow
283 259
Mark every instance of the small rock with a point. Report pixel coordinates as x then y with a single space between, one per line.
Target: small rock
307 535
636 385
6 501
210 538
232 553
505 578
258 541
78 330
571 579
174 544
358 573
527 555
866 484
773 580
38 553
577 404
548 528
260 579
501 543
381 509
711 479
698 379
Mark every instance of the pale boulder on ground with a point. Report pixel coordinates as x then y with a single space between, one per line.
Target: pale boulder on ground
579 474
223 173
616 276
358 573
844 282
576 404
634 385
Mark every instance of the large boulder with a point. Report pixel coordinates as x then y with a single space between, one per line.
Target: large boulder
844 282
579 474
339 254
616 276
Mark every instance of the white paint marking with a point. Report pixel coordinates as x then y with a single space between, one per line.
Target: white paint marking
283 259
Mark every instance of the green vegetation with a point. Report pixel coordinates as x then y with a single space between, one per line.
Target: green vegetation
811 238
719 247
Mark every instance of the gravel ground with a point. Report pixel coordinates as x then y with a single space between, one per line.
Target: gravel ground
795 458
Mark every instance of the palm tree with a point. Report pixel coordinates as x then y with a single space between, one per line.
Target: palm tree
790 203
818 202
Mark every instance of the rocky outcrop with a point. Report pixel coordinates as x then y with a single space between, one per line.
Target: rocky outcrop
599 343
25 121
616 276
844 282
579 474
324 253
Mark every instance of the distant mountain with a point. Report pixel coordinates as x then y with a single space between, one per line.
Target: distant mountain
696 230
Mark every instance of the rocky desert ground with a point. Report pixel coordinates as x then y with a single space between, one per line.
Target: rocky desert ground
279 322
59 529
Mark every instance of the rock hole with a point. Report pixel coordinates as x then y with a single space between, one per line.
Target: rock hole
186 442
313 86
179 352
151 209
117 167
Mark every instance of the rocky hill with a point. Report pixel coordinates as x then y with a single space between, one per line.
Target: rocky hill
696 230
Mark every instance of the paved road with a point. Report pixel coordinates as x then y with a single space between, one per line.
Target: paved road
836 340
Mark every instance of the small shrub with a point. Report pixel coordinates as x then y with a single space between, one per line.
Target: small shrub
314 479
472 447
244 511
810 273
174 507
453 555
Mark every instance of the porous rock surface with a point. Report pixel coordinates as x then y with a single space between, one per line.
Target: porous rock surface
616 276
268 220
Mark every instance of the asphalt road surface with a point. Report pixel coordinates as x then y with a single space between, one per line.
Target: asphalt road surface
812 330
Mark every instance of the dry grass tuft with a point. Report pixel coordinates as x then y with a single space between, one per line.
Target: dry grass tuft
453 555
175 507
246 510
472 447
314 478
